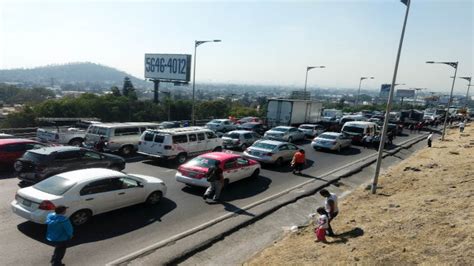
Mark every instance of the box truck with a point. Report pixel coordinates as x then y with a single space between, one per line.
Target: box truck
289 112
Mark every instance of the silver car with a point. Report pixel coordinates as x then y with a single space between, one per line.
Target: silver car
332 141
240 139
271 151
311 130
284 133
221 125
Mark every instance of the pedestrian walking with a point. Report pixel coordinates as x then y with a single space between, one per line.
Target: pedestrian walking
390 138
331 208
322 225
216 179
461 127
100 145
429 139
298 162
59 232
366 140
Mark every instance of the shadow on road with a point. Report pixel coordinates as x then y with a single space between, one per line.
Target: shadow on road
286 167
232 208
107 225
241 189
344 237
7 172
170 164
346 152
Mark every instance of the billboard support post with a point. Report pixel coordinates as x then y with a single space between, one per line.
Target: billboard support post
156 90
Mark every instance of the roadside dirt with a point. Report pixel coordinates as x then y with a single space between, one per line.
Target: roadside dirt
423 213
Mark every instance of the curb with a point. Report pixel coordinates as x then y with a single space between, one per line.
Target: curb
366 161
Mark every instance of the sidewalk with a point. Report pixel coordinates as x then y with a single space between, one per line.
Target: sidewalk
422 213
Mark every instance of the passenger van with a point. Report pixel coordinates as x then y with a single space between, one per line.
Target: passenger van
179 143
122 137
358 129
349 118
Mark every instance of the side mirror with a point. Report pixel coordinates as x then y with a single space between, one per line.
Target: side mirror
140 184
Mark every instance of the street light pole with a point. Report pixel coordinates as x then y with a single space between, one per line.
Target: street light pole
168 95
360 83
306 79
469 85
389 103
455 66
193 111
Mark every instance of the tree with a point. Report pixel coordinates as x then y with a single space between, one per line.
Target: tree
127 87
115 91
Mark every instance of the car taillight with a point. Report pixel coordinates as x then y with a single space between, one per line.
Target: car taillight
268 154
200 175
46 205
167 147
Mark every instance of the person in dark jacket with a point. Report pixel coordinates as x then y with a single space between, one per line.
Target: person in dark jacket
100 145
59 232
216 179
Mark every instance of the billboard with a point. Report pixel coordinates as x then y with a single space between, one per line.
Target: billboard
406 93
168 67
384 90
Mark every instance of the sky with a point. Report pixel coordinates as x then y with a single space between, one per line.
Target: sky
263 42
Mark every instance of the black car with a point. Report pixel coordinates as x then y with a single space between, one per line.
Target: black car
256 127
36 165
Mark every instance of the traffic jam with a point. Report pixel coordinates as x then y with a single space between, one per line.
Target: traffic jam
82 167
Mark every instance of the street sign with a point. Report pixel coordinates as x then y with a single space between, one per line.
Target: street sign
168 67
384 91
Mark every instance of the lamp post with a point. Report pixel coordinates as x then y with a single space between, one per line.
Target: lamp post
196 44
389 102
469 85
168 95
360 83
455 66
306 79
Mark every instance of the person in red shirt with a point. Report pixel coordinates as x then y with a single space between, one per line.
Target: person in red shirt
298 162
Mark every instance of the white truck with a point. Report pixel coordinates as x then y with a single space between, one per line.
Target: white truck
64 135
288 112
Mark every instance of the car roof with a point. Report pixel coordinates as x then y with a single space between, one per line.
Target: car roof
179 130
220 155
125 124
252 123
240 131
273 142
359 123
331 134
49 150
285 127
16 140
90 174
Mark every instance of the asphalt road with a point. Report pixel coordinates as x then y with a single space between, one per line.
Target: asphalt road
115 234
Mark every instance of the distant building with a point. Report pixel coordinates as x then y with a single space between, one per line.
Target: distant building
300 95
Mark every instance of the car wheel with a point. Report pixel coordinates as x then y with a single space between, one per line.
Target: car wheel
279 162
243 147
126 150
76 142
217 148
181 158
290 139
154 198
255 174
80 217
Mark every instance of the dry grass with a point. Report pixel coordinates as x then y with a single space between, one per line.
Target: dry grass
417 217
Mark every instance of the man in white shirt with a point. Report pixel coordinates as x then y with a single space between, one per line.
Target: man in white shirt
331 207
461 127
430 139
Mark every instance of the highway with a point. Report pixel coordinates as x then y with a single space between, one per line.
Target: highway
115 234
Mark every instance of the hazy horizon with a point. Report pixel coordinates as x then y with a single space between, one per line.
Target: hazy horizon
263 43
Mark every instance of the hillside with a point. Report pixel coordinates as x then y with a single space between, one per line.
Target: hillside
73 73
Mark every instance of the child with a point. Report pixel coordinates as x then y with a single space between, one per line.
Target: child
323 225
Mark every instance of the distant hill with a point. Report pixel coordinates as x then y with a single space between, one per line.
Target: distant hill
79 74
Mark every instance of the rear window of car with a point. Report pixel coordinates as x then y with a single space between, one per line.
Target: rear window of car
264 145
202 162
350 129
55 185
35 157
232 135
327 136
307 127
280 129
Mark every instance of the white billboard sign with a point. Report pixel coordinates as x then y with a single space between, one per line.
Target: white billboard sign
406 93
168 67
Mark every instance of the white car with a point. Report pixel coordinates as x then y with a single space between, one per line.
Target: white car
284 133
332 141
221 125
86 193
311 130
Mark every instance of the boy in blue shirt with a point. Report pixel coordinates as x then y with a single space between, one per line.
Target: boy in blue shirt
59 232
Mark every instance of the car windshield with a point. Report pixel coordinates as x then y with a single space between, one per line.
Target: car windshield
35 157
264 145
280 129
232 135
202 162
306 127
55 185
327 136
247 125
350 129
215 121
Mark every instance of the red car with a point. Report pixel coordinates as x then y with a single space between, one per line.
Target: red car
12 149
234 168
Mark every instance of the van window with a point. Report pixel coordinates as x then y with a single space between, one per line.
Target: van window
180 139
159 138
352 129
192 137
210 135
127 131
201 136
97 131
148 136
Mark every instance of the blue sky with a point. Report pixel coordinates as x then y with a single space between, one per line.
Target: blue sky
263 42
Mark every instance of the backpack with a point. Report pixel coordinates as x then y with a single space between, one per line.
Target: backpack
211 174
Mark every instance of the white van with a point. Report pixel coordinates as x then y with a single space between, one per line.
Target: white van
349 118
179 143
358 129
122 137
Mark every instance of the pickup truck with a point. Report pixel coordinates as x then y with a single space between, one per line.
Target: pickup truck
73 136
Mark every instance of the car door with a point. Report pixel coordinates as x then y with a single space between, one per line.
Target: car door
201 142
292 149
192 146
128 191
345 140
68 161
230 170
92 159
10 152
99 196
284 152
244 170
